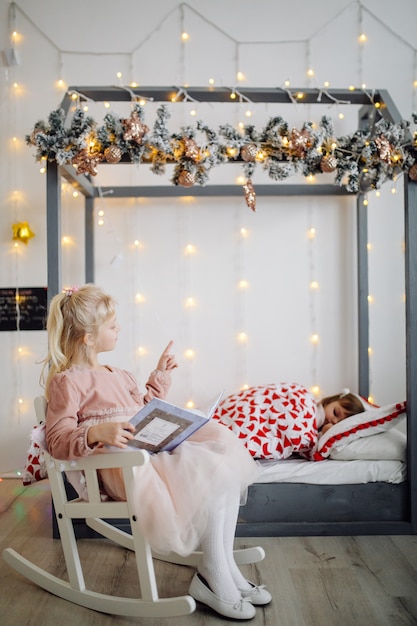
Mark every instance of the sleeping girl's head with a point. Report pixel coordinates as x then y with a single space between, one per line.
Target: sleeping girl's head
339 407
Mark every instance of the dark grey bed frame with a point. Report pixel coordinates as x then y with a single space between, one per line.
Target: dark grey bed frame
283 509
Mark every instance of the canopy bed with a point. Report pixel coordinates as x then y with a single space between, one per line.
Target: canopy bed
283 504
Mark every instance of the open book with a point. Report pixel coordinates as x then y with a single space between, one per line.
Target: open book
162 426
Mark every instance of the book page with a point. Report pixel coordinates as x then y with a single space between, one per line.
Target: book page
156 431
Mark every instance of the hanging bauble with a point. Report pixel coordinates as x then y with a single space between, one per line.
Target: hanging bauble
384 148
113 154
412 172
186 178
250 195
134 128
192 151
22 232
249 152
86 162
299 142
328 163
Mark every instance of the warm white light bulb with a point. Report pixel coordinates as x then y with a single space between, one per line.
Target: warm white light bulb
315 390
242 337
314 338
314 284
243 284
189 353
190 249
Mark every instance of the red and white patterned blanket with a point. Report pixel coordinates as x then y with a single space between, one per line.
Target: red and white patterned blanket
273 421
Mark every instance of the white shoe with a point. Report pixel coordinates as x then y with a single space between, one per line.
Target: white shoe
243 609
258 595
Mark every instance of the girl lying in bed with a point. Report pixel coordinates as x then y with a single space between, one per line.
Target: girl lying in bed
275 421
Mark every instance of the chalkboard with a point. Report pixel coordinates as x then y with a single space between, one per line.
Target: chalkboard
23 308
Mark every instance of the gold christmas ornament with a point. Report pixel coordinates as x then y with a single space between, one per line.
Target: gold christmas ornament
412 172
186 179
134 128
384 148
328 163
191 149
113 154
299 142
250 195
249 152
86 162
22 232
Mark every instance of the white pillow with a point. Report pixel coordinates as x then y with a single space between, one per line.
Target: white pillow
373 421
390 446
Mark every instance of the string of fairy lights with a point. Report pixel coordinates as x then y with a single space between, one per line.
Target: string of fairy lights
245 108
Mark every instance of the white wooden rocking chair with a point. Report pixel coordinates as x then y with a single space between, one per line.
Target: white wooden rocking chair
94 511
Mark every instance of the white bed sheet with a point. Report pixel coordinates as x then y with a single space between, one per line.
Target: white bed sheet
330 472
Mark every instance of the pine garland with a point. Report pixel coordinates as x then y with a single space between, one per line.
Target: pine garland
360 161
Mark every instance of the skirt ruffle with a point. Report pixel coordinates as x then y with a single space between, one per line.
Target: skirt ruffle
174 492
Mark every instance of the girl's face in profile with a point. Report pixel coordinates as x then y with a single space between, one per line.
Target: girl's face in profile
333 413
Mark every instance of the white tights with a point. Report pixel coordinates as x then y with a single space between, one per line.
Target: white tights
218 565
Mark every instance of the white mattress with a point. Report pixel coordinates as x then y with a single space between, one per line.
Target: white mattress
330 472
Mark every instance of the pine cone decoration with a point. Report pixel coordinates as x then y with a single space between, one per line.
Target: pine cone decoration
328 163
249 152
113 154
186 179
250 195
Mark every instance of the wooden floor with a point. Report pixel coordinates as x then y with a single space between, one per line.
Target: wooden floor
323 581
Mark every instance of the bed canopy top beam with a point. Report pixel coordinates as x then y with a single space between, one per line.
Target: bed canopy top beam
361 97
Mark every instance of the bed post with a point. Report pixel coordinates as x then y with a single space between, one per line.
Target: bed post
363 311
410 228
53 228
89 239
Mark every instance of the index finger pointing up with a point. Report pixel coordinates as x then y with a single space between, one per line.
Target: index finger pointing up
168 348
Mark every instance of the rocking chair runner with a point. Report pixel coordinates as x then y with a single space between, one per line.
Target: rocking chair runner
148 604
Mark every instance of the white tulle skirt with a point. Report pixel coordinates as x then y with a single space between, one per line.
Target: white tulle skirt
175 491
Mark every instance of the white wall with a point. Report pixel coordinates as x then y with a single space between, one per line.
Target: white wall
270 41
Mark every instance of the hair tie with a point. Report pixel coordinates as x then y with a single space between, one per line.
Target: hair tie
345 392
71 290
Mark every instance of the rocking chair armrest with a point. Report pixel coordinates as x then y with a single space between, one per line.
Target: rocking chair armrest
105 460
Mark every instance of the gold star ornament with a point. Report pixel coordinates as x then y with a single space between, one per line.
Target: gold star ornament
22 232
